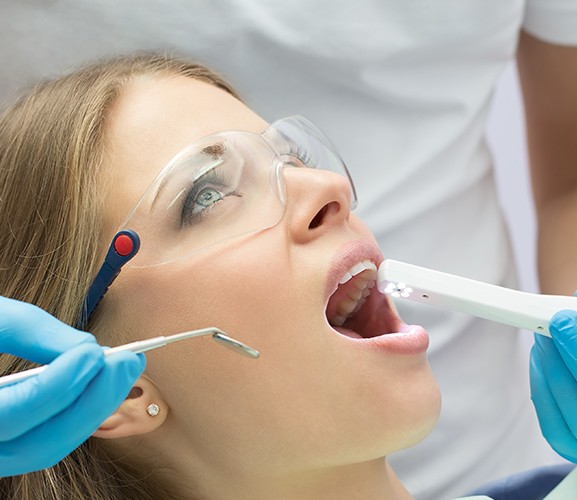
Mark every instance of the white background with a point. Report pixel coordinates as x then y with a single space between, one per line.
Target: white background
506 135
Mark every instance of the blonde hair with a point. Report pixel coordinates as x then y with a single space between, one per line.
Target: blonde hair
52 146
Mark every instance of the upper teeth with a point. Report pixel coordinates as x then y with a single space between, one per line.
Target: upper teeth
359 267
365 274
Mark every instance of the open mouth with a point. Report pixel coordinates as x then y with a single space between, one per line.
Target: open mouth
357 310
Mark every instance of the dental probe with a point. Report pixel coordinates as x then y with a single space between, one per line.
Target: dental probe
146 345
524 310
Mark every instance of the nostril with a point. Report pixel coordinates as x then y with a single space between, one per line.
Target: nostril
319 218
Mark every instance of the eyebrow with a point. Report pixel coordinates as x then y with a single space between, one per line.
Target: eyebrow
215 151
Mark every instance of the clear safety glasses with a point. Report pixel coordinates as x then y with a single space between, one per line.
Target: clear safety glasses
226 185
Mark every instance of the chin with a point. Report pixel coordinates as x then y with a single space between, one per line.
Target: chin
411 418
423 416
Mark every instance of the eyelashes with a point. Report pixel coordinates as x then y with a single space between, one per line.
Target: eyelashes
201 200
304 156
204 194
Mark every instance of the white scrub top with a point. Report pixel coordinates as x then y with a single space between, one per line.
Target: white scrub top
403 88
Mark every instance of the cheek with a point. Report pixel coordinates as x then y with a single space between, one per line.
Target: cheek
235 289
203 383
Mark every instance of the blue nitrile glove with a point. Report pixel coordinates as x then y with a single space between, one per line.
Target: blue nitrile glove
554 383
44 418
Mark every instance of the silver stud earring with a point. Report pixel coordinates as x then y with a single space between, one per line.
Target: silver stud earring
153 409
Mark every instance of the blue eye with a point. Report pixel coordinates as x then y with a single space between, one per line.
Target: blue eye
206 198
203 196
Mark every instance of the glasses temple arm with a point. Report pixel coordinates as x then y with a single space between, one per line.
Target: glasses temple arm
124 246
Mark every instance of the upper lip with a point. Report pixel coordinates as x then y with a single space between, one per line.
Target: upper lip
347 256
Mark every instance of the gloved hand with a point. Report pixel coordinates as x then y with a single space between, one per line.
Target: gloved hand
553 376
44 418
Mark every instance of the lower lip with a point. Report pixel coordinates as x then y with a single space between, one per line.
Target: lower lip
414 340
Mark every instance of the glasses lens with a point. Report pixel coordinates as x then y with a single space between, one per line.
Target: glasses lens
216 189
297 138
226 185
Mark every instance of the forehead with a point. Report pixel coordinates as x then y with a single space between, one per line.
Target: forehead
154 119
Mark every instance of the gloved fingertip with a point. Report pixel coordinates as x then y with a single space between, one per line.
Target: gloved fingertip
136 366
142 359
563 324
130 364
77 366
89 356
89 350
85 337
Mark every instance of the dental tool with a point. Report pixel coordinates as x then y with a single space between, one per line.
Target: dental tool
524 310
146 345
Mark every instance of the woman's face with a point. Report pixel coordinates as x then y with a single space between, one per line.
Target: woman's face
318 395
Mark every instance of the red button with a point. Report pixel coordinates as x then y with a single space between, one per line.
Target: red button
123 245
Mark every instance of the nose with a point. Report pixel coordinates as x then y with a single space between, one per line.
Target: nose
317 201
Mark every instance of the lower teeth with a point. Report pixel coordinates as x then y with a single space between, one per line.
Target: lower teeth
338 321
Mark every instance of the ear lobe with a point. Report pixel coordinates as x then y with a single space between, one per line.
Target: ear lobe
142 411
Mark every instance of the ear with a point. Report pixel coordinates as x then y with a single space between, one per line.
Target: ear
142 411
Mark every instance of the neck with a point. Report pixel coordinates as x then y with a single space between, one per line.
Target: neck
367 481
